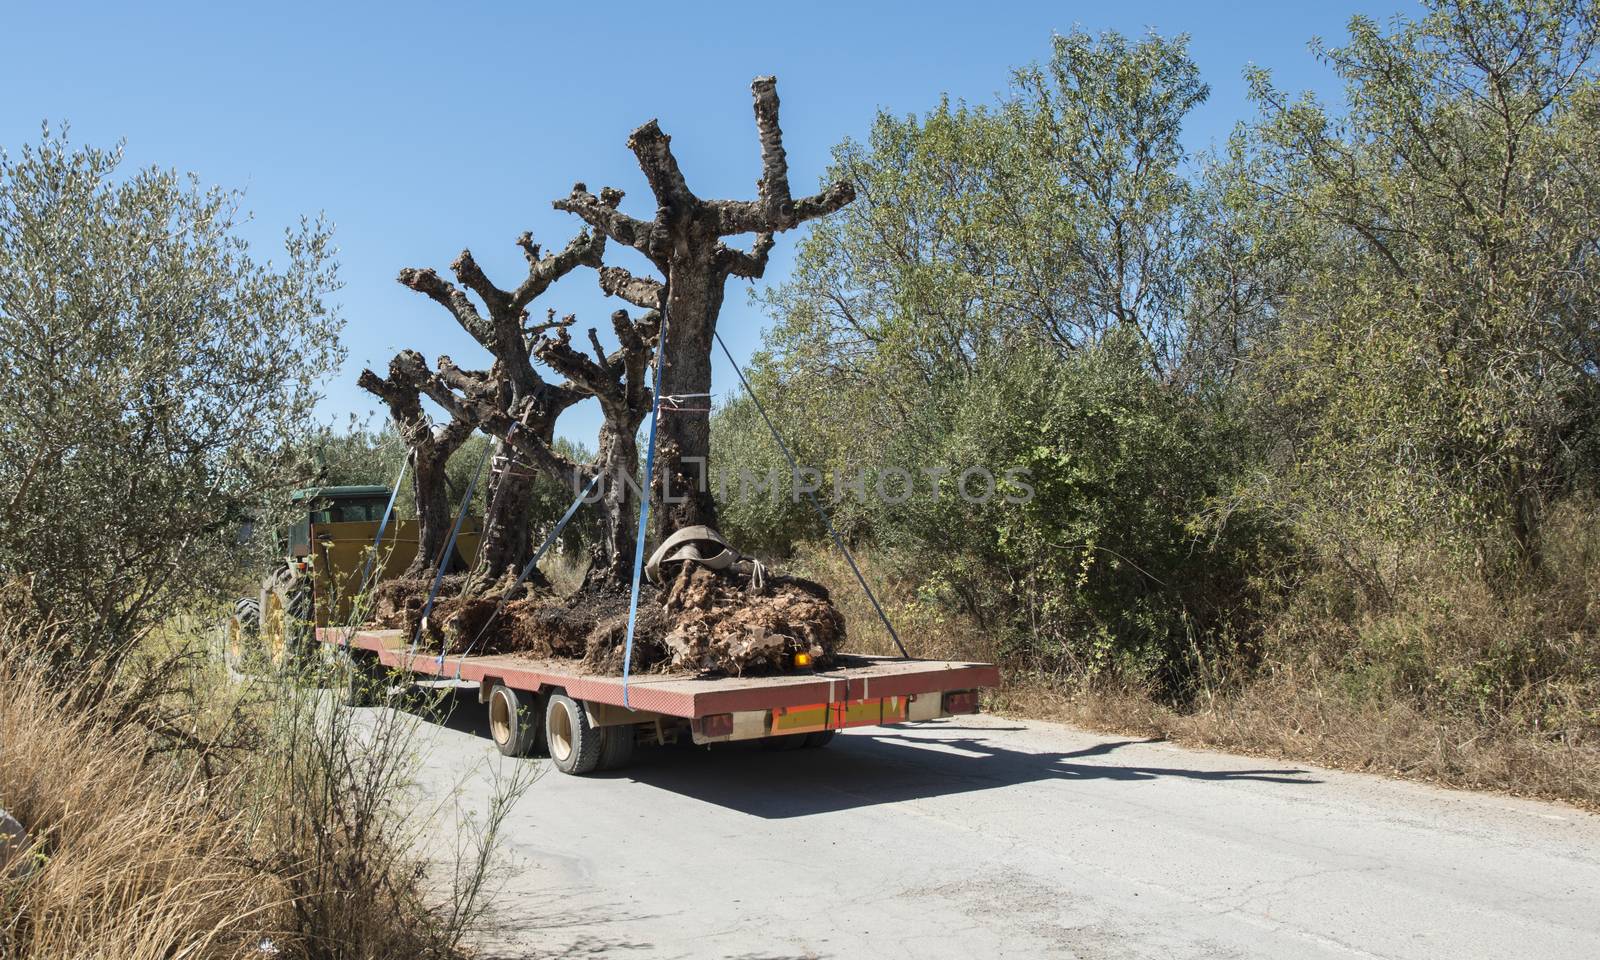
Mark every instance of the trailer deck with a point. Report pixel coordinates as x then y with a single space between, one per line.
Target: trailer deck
855 691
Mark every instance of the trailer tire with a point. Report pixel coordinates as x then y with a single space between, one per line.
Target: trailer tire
513 720
616 746
574 744
821 738
784 742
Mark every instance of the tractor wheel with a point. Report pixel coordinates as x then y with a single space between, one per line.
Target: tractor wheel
514 720
574 744
237 636
286 627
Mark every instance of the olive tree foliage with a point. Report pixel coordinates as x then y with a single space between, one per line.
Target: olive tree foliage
1434 374
1098 180
155 378
1058 214
352 454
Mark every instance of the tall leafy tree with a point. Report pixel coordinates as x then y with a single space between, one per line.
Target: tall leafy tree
1058 214
154 378
1437 371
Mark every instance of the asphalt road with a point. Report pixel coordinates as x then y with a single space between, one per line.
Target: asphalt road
985 837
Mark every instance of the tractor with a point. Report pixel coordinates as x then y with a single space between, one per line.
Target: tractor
318 581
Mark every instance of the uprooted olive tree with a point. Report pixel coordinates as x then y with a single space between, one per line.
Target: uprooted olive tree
713 609
514 384
684 241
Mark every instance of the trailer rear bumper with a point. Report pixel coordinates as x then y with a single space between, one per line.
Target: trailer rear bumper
839 715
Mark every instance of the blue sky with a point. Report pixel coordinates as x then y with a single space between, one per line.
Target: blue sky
420 129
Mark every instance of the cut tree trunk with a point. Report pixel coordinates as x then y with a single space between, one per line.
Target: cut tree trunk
430 450
611 560
506 535
684 242
683 454
434 519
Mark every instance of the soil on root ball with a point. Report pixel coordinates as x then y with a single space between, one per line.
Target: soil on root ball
398 604
706 621
703 622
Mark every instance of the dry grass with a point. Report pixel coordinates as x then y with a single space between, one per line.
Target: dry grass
248 821
133 859
928 631
1454 683
1275 718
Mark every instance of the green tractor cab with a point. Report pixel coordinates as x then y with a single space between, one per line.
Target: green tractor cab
318 583
326 505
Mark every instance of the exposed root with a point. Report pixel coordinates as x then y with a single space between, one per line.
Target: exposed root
397 604
608 640
704 622
719 625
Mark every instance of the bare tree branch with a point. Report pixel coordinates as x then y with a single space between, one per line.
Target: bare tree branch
774 186
588 374
472 395
754 216
639 291
472 277
451 297
654 151
775 210
750 266
585 249
602 214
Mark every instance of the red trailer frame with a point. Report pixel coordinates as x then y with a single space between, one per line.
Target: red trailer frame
798 709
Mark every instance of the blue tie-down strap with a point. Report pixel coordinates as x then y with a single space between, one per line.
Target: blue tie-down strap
527 568
449 551
644 515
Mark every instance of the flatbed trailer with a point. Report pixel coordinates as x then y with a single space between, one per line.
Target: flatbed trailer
585 723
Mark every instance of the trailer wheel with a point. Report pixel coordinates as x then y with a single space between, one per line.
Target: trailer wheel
574 744
785 742
513 720
819 739
616 746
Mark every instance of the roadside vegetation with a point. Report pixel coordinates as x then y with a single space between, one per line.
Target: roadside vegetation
1310 420
1295 448
156 399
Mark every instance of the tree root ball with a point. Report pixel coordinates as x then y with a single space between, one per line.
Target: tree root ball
704 621
719 625
397 604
